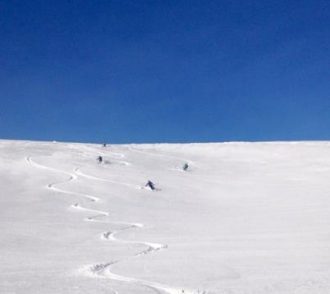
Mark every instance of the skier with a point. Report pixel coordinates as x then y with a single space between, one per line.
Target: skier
150 185
185 167
100 159
104 145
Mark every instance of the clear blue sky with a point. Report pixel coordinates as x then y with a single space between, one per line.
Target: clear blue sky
164 71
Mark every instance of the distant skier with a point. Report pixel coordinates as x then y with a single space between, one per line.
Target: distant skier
150 185
100 159
185 167
104 145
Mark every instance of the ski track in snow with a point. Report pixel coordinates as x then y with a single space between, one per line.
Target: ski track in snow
134 149
105 152
103 270
72 177
80 173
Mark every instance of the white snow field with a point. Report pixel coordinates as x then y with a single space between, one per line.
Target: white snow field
244 218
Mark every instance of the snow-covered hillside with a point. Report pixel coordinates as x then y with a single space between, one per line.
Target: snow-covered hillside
244 218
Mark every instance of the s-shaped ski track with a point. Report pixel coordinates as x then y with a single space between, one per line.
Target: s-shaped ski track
103 270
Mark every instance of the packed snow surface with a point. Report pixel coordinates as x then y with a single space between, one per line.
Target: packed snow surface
243 218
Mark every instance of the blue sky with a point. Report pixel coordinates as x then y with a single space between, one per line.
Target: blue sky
164 71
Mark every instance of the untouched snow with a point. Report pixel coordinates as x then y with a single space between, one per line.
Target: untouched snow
244 218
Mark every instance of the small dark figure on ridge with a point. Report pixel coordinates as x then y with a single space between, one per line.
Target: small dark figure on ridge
185 167
100 159
150 185
104 145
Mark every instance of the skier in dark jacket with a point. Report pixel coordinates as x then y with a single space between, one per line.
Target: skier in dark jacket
185 167
150 185
100 159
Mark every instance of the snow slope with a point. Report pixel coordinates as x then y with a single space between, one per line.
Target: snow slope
245 218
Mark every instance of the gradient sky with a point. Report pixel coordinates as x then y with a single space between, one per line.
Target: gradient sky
164 71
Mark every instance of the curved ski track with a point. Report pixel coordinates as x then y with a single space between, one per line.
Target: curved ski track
103 270
134 149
